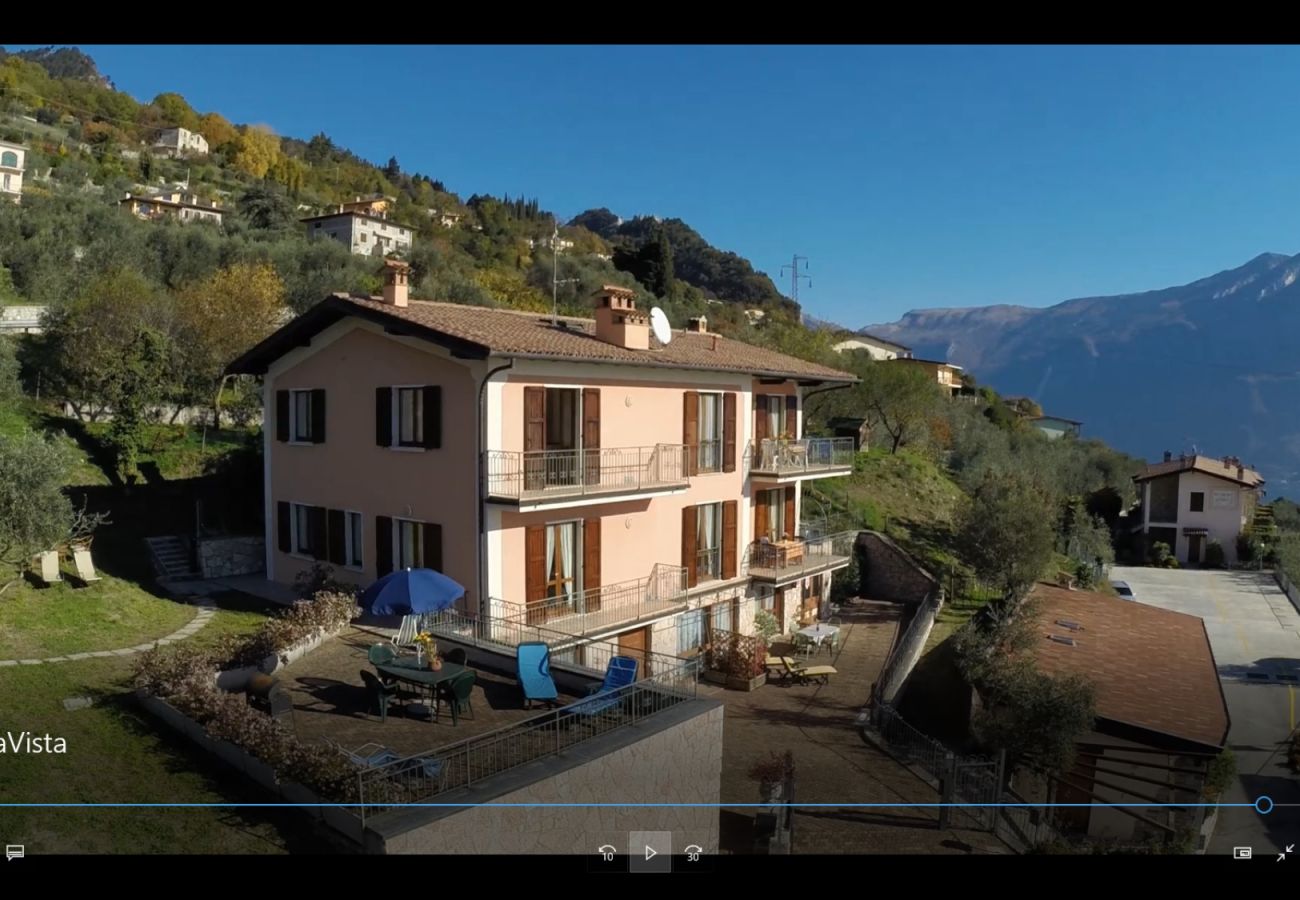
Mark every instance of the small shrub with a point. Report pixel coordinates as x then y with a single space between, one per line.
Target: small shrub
1161 554
766 626
319 578
1247 548
1219 774
772 768
1214 555
1170 563
1085 575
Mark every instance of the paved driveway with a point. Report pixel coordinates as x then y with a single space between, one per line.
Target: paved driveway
1255 634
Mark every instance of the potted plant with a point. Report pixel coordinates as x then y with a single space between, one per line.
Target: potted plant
425 647
771 773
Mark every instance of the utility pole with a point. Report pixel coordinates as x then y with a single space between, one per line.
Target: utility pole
796 275
556 281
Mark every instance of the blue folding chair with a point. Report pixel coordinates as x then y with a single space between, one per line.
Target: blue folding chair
533 663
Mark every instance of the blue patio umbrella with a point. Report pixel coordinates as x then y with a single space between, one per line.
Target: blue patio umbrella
410 591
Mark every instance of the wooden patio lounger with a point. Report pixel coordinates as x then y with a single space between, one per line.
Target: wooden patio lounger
807 674
85 566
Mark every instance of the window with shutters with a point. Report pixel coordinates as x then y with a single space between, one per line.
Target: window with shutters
408 546
774 502
300 416
353 556
708 541
710 452
301 532
408 416
563 562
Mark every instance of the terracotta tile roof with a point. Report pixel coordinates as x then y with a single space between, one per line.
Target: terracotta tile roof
509 332
1205 464
1152 667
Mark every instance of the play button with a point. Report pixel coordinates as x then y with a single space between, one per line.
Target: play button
658 851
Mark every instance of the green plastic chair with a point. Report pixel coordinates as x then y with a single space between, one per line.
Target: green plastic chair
457 693
381 692
381 653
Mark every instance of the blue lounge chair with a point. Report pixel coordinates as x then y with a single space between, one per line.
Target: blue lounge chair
533 659
620 673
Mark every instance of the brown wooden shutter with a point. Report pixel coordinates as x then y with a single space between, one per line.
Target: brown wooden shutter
591 433
761 523
534 437
383 545
689 522
432 546
318 416
792 415
335 537
760 420
691 430
282 415
432 417
729 432
316 531
591 562
729 538
384 416
791 528
284 526
535 563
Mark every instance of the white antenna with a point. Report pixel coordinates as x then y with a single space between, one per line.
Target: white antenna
660 326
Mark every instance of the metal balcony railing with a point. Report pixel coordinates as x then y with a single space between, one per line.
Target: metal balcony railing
548 474
794 558
597 609
803 456
422 776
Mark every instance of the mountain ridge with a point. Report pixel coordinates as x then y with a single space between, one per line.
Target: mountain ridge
1206 363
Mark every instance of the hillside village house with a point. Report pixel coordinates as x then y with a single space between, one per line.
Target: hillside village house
361 233
377 205
571 473
1056 426
13 162
945 374
181 142
1189 501
875 347
179 205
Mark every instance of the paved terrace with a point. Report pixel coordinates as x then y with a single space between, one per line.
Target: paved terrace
832 762
330 701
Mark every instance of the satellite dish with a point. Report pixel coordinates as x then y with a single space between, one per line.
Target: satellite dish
659 325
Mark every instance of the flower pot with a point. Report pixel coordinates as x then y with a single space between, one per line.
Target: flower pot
435 664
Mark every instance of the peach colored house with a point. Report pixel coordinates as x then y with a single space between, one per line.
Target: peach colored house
1190 501
571 473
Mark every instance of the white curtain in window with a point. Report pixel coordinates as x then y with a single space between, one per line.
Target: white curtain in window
775 416
776 515
709 431
691 631
550 557
722 616
567 555
705 538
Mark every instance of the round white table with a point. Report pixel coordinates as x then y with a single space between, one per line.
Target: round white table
819 632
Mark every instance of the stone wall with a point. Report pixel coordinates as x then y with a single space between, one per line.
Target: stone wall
889 573
673 757
223 557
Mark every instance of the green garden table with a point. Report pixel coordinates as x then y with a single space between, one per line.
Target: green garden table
405 668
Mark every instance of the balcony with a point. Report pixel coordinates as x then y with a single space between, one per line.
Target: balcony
609 606
782 562
548 478
781 461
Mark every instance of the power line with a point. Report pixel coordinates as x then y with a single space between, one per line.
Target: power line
796 275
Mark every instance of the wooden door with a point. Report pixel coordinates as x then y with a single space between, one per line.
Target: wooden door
1194 545
636 644
534 438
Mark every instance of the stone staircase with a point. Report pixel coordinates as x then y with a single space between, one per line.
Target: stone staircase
172 558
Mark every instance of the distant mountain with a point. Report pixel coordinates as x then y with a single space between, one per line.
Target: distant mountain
1213 365
817 324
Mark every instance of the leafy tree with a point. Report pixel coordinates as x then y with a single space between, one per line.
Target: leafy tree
600 221
216 130
141 385
8 293
257 150
35 514
175 110
392 171
898 400
1036 718
265 207
220 317
1006 533
86 346
10 388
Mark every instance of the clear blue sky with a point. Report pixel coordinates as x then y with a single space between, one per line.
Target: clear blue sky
911 176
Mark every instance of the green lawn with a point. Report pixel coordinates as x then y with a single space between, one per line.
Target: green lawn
116 753
105 615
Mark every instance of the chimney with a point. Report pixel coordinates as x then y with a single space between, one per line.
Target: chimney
396 274
1241 473
1168 456
617 320
699 324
